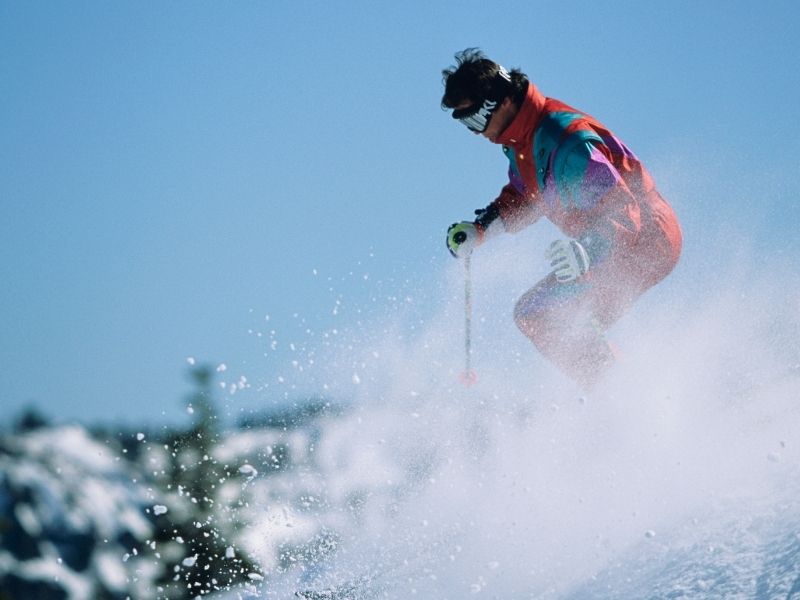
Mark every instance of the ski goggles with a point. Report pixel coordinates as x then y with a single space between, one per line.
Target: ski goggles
477 119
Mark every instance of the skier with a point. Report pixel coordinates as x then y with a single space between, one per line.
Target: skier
622 236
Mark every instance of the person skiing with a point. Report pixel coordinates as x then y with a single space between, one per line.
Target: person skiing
622 237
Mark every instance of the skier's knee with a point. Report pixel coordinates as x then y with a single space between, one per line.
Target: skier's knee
524 316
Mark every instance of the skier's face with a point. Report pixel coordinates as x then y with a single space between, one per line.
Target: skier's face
500 119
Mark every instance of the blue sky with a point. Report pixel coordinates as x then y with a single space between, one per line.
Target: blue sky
173 173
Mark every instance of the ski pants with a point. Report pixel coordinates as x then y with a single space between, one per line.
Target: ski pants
567 321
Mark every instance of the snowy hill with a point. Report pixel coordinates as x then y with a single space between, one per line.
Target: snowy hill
740 550
392 503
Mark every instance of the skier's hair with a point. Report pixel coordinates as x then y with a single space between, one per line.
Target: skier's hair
474 77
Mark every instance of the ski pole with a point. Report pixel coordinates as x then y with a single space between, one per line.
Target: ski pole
468 377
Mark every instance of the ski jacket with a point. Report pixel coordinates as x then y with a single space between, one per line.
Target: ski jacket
566 166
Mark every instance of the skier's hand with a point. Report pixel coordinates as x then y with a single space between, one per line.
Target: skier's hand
462 238
568 260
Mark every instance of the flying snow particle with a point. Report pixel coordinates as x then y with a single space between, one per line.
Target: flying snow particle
477 587
356 379
255 577
222 367
649 533
230 552
189 561
140 436
248 470
160 509
190 360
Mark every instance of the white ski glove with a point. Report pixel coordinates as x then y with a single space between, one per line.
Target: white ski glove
463 238
568 259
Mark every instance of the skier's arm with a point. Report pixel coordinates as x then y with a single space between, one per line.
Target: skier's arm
510 211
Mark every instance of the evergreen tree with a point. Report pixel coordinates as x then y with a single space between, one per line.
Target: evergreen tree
195 520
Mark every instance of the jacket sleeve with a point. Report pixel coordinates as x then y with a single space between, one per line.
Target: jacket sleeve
515 210
606 213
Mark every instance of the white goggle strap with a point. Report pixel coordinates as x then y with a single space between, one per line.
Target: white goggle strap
478 120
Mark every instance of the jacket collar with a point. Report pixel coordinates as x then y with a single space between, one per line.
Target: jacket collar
530 113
